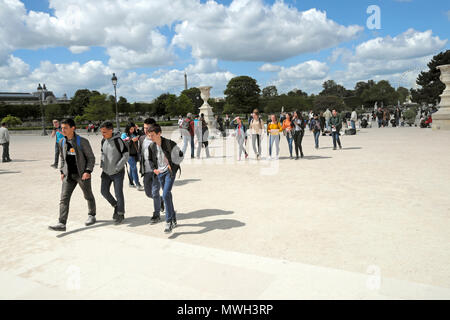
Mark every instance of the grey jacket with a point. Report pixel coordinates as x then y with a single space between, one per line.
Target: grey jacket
85 158
4 135
113 161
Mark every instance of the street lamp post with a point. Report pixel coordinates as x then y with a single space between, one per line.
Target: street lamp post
114 82
41 92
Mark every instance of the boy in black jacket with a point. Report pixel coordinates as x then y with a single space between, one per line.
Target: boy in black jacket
165 158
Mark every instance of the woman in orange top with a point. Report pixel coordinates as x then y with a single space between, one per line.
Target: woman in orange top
274 129
288 132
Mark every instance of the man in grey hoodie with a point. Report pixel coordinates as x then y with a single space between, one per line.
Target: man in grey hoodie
114 157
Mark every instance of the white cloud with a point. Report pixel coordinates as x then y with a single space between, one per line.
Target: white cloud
267 67
248 30
78 49
398 59
307 76
410 44
203 66
14 68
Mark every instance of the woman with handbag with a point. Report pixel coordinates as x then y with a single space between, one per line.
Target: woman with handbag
131 137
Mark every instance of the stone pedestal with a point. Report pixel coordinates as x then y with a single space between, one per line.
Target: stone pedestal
441 119
206 109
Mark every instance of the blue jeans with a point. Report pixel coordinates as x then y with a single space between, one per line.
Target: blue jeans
56 154
133 169
166 180
335 136
352 123
272 139
152 186
117 179
316 138
289 140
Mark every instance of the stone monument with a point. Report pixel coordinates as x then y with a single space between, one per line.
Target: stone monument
206 108
441 119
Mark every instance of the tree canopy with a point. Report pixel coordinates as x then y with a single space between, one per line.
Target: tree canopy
430 85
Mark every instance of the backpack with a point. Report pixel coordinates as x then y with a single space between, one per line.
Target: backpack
185 124
317 126
116 142
78 143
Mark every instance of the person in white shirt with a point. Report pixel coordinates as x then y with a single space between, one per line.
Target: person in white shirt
4 141
353 119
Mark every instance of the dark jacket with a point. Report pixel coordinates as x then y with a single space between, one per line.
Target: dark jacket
85 158
336 121
171 151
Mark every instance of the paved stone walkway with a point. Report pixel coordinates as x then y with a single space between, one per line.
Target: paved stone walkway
369 221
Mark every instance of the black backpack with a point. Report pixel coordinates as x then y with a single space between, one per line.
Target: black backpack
116 142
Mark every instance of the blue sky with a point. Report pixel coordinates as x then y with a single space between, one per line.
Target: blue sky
290 44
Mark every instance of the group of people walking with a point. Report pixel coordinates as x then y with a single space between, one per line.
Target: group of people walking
384 117
290 125
159 159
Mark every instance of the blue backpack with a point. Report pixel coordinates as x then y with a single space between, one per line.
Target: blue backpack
78 143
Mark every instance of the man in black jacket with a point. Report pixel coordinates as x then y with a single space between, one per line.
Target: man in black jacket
77 164
165 158
151 182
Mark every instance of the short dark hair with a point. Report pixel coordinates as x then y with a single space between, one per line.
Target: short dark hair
107 125
150 121
69 121
3 124
156 128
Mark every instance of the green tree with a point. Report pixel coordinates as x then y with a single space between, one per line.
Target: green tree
11 121
171 105
54 111
243 94
159 106
431 86
217 106
331 88
321 103
297 92
79 102
353 102
99 109
124 106
185 105
270 91
361 86
382 92
403 93
195 96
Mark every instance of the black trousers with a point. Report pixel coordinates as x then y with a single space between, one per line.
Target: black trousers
5 155
298 138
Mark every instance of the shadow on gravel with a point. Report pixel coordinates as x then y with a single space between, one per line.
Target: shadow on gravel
207 226
8 172
22 160
315 157
184 182
139 221
98 224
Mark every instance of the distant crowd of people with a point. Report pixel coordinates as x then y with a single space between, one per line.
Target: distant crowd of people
290 125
